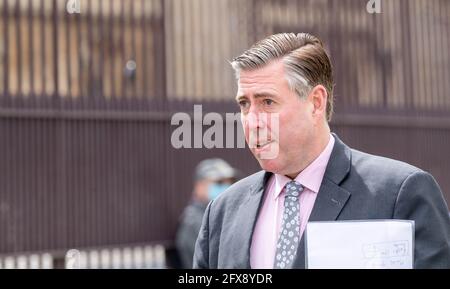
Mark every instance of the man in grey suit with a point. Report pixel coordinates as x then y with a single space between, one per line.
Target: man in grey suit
308 174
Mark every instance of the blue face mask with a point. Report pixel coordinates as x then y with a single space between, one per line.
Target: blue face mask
215 189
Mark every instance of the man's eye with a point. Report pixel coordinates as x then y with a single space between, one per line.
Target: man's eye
243 103
268 101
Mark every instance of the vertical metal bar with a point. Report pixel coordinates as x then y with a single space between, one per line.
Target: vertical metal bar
43 43
31 43
77 220
82 233
352 86
55 96
49 187
396 99
118 151
129 150
140 165
96 53
178 40
181 49
132 24
61 192
73 185
106 150
6 19
37 172
95 167
101 64
381 58
447 68
443 73
224 40
36 208
196 45
331 40
415 81
91 96
339 37
377 68
254 18
17 16
35 60
5 141
215 42
407 55
206 74
438 103
362 76
81 86
187 51
434 52
420 56
111 49
69 21
161 61
89 127
162 94
344 38
122 48
144 50
432 86
15 189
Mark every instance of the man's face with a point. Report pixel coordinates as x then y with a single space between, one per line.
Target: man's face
264 95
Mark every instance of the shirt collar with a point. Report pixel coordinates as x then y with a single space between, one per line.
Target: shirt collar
311 177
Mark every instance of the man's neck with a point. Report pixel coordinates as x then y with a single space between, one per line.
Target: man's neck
321 144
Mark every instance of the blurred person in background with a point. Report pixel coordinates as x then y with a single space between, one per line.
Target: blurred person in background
212 177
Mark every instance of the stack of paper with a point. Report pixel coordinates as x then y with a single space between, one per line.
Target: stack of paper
386 244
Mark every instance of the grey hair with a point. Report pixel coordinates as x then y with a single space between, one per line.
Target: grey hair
296 81
305 60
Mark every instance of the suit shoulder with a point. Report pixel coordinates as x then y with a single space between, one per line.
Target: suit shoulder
381 167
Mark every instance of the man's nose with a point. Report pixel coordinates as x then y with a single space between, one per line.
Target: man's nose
253 119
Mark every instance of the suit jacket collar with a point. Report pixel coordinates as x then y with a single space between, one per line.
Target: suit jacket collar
330 201
339 163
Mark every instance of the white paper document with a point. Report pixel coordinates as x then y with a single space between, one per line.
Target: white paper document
385 244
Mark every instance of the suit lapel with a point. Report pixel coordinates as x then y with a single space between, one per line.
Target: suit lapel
331 198
245 223
329 203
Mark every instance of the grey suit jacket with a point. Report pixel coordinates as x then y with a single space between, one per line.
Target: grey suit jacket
356 186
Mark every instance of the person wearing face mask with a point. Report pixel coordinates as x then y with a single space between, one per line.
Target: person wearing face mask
212 177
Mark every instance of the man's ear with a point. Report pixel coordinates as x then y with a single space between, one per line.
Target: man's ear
318 97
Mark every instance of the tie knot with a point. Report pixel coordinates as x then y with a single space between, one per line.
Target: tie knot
293 189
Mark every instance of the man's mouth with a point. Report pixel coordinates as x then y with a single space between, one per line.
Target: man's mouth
261 145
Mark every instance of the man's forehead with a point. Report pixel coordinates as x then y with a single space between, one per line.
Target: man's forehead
263 91
265 80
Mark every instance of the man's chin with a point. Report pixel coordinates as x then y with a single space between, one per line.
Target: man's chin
270 165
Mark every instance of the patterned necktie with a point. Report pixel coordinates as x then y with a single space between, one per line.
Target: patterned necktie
290 227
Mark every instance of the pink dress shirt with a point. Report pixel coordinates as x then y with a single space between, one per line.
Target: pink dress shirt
267 228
